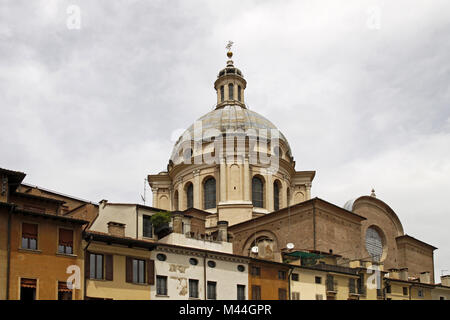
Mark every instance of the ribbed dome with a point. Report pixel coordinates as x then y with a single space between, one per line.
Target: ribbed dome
229 118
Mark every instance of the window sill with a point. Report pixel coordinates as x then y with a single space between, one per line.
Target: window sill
192 298
70 255
139 284
30 250
162 296
101 280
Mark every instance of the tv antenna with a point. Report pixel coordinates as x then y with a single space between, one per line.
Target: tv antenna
144 197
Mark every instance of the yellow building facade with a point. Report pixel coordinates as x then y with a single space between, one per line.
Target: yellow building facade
117 268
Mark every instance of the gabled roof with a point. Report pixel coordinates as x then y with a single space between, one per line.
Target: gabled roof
56 193
417 241
42 198
298 205
108 238
50 216
14 177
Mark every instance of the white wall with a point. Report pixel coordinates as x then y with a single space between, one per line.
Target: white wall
122 213
178 271
181 240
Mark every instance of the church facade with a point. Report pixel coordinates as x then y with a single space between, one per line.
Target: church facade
236 165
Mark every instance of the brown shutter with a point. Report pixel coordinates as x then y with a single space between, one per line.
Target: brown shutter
66 237
129 270
150 271
109 270
87 265
29 230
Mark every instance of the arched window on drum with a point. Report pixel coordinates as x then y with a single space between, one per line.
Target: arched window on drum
189 196
209 193
258 192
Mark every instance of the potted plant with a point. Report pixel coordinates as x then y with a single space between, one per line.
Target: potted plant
160 222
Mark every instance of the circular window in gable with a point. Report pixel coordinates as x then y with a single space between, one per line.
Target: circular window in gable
374 243
193 261
161 257
241 268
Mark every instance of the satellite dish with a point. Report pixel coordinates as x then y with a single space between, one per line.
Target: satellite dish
290 246
255 249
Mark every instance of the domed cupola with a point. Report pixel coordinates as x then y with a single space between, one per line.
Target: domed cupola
230 85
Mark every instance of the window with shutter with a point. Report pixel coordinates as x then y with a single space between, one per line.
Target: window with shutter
193 288
240 292
28 289
95 266
29 236
161 285
256 293
138 271
282 294
129 269
64 293
109 269
352 285
151 272
211 290
65 242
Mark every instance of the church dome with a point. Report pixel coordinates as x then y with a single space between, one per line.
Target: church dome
231 119
230 116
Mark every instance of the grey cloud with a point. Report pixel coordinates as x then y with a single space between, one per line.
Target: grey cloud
90 112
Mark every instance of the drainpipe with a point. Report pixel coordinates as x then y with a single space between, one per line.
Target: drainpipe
8 265
289 282
204 275
137 219
84 275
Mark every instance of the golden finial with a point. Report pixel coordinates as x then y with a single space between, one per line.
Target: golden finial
229 45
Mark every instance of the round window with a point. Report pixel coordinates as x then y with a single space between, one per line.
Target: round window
374 244
241 268
161 257
211 264
193 261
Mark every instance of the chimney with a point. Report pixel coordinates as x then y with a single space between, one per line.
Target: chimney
116 229
103 203
394 273
425 277
445 280
222 231
177 222
404 274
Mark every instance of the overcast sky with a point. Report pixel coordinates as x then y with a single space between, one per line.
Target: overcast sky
359 88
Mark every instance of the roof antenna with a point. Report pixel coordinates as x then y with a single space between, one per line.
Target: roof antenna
144 197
